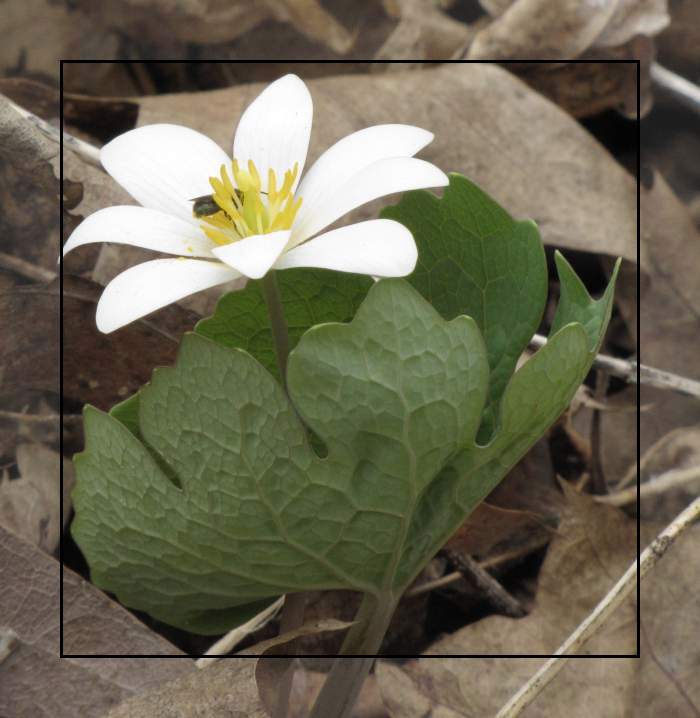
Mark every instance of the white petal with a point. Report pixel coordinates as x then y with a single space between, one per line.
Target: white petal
380 247
146 287
164 166
253 256
141 227
397 174
354 152
274 130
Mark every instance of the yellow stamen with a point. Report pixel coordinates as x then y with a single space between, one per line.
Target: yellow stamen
245 208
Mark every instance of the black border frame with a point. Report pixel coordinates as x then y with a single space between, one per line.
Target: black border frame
637 654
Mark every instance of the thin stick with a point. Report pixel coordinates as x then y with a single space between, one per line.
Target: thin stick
601 612
630 370
456 576
649 455
487 584
234 637
683 90
668 480
26 269
447 580
87 152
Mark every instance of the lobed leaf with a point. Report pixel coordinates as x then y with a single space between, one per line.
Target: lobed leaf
251 511
475 259
535 397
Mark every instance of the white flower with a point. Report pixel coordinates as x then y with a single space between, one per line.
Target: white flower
266 218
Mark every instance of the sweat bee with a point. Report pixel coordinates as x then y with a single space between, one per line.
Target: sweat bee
205 206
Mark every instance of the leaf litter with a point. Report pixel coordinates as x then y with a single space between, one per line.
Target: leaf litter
657 680
593 548
33 679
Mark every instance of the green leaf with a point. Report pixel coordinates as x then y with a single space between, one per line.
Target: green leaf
475 259
309 297
576 305
535 397
206 622
394 394
127 412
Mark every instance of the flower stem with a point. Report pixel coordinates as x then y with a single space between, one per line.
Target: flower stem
340 691
278 324
292 617
293 610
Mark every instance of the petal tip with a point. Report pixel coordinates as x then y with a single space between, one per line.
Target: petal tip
105 324
444 180
254 256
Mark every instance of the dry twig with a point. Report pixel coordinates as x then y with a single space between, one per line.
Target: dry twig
686 92
668 480
456 576
234 637
25 269
601 612
486 583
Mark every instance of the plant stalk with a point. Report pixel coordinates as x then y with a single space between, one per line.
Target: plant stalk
292 618
340 691
293 610
278 324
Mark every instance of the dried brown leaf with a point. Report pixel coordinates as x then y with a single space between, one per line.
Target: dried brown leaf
522 511
36 33
33 679
98 369
30 505
311 19
588 88
677 450
226 690
28 190
669 330
542 30
679 43
423 32
215 21
632 18
270 672
666 677
593 551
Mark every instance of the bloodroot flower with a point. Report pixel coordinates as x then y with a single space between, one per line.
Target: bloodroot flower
246 216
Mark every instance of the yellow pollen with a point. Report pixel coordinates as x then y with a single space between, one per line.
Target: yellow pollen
245 208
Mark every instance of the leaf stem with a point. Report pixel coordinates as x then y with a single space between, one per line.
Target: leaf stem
278 324
364 639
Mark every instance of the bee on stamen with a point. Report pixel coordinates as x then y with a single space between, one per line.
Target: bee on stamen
205 206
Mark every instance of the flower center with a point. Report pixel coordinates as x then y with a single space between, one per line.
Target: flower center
244 209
